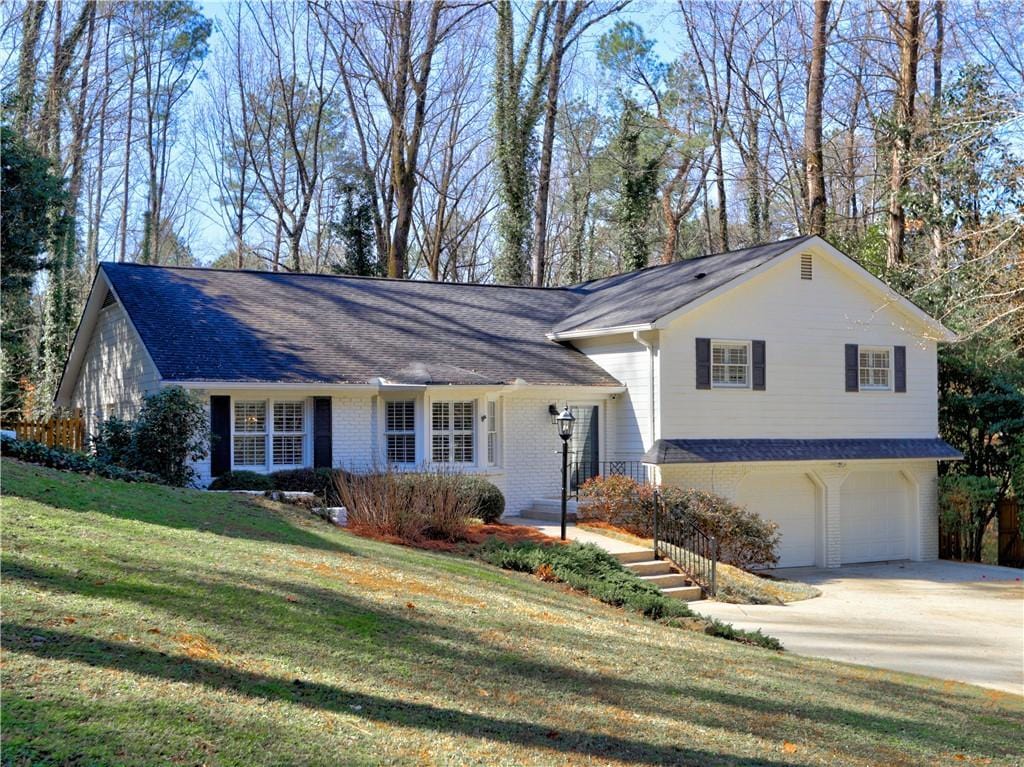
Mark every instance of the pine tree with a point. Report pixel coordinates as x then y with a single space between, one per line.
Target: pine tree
357 233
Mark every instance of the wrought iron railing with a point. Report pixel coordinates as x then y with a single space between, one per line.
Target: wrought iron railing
581 471
679 539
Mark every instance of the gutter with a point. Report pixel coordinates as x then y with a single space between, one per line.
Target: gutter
650 379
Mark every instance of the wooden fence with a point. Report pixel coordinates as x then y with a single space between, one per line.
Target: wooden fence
1011 543
59 431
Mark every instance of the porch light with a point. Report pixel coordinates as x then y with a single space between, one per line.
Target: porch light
565 420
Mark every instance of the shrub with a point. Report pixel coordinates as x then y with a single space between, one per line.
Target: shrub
114 442
319 481
620 501
965 508
744 538
69 460
487 501
242 480
171 431
596 572
411 506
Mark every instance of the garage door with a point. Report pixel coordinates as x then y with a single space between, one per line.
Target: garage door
789 500
873 517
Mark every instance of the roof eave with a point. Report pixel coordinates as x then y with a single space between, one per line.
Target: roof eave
569 335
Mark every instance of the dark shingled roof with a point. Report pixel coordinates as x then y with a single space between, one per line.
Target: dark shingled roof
211 325
218 325
645 296
667 451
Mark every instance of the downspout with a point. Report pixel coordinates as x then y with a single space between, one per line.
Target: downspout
650 379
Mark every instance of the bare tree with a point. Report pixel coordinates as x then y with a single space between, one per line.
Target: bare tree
817 203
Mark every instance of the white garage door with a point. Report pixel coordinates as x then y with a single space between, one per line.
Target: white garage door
874 517
789 500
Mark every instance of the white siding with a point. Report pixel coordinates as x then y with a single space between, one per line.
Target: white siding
629 424
116 370
531 450
805 325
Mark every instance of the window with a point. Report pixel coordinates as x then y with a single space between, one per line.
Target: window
730 364
400 431
874 368
250 439
492 432
452 432
289 433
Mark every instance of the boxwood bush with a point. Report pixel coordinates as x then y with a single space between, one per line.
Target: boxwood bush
242 480
487 500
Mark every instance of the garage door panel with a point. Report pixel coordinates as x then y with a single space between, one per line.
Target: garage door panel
874 517
789 500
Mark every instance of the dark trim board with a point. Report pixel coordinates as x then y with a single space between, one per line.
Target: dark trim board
670 451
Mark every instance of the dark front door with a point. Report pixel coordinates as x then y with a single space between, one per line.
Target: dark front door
583 448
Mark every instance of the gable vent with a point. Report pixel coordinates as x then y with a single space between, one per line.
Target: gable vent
806 267
109 300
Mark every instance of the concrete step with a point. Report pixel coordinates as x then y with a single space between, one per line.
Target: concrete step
549 510
652 567
685 593
625 557
667 581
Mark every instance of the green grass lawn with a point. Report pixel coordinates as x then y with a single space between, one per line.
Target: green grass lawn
147 625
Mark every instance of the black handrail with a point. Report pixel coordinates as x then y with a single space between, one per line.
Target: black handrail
581 471
678 538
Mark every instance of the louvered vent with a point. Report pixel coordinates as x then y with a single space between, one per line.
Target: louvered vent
109 300
806 267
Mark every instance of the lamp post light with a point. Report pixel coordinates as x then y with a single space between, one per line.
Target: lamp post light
565 420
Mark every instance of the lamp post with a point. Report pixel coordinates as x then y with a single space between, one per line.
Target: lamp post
565 420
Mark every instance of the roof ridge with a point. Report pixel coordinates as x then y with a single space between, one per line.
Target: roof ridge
367 278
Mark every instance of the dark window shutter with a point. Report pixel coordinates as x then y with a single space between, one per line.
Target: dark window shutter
220 435
322 441
757 368
899 366
703 363
852 368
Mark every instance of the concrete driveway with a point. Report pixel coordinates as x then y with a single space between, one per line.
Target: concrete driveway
949 620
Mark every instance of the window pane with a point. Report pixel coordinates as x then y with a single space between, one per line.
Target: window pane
463 448
287 450
289 417
401 416
251 417
441 416
401 448
462 414
250 451
441 451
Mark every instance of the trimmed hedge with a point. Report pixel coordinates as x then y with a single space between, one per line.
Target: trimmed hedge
319 481
69 460
593 570
487 500
242 480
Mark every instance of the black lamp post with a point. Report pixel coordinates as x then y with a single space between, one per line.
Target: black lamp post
565 420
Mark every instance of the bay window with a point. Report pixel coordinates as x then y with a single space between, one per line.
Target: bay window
452 432
400 431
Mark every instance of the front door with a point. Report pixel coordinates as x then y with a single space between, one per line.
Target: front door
583 447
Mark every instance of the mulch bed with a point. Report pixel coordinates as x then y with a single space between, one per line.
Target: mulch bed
475 535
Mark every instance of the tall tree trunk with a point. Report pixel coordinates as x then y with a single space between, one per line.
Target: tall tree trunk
76 153
717 135
936 115
908 37
812 123
32 18
130 116
92 240
540 208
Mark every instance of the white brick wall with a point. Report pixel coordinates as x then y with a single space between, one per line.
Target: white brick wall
531 452
115 371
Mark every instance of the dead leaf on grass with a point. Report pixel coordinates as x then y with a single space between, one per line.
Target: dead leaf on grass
69 620
196 646
788 748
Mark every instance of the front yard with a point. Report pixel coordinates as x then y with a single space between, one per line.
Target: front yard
148 625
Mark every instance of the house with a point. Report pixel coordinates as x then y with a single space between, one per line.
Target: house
783 376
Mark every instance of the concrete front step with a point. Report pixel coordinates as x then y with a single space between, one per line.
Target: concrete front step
652 567
667 581
550 510
625 557
686 593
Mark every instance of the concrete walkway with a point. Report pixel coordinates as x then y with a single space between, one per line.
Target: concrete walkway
949 620
554 529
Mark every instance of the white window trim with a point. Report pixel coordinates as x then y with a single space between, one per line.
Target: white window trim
891 372
414 431
268 466
451 432
492 426
749 366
